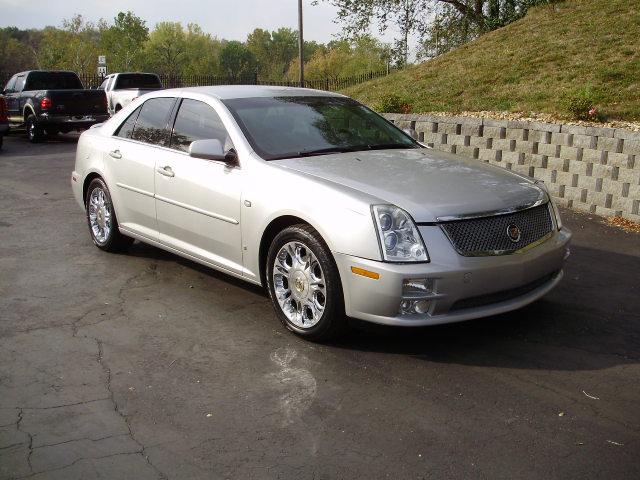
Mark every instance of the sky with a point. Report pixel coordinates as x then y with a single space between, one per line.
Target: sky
229 19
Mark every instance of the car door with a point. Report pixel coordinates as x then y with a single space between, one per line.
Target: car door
13 106
130 161
198 201
20 100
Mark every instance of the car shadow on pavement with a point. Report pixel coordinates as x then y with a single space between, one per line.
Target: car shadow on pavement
590 321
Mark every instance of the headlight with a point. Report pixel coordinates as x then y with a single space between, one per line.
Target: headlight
554 208
399 238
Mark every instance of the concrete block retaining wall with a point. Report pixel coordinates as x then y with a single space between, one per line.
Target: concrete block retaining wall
591 169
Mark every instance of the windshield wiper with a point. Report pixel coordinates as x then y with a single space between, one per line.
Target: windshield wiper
325 151
389 146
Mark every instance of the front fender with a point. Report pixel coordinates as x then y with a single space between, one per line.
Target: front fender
341 216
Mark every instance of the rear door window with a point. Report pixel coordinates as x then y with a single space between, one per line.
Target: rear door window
151 125
197 121
19 83
11 84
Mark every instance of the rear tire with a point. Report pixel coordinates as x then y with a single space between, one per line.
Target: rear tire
101 218
304 284
51 131
35 133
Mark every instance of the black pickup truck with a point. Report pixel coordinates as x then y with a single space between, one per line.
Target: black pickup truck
49 102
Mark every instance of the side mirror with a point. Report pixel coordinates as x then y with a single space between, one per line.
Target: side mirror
213 150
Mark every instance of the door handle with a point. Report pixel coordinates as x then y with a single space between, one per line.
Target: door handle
115 154
166 171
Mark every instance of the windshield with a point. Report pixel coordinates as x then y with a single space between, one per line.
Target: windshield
53 81
137 80
287 127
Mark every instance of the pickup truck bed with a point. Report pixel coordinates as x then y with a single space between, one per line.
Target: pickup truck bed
51 102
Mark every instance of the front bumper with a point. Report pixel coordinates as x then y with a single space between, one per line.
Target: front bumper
464 287
79 122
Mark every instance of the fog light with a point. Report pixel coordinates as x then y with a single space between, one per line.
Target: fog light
405 307
420 306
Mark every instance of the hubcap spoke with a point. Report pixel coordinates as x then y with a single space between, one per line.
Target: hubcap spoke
299 284
99 215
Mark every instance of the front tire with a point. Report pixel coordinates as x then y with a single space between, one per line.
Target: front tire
304 284
101 218
35 133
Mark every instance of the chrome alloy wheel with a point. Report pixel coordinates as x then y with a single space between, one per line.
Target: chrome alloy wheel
99 215
299 284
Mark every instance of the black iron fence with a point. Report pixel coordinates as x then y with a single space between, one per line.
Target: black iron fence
174 81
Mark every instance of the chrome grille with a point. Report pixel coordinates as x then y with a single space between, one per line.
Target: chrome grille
489 235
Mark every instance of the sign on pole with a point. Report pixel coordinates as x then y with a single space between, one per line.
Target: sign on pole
102 70
102 59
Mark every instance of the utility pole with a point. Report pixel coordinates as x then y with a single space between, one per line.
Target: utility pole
300 43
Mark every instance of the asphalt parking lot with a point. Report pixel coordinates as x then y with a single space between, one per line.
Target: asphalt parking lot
145 365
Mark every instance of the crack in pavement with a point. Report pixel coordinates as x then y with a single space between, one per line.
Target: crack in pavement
107 371
30 446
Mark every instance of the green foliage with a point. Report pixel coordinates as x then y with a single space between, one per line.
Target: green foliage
165 51
237 61
344 58
74 47
121 42
530 65
392 103
171 49
274 51
581 104
15 55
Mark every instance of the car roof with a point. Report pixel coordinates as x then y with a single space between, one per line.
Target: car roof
227 92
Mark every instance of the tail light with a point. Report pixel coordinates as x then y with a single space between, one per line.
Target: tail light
3 110
46 103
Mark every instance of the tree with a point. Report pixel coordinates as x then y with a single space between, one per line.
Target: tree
406 16
74 47
16 53
121 42
237 61
165 51
259 43
202 52
344 58
458 22
275 50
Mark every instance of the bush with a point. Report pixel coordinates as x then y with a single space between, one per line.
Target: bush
581 104
393 103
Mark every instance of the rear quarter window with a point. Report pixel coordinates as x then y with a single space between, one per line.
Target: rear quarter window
125 130
151 125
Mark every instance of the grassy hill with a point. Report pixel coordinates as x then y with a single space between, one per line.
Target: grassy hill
537 64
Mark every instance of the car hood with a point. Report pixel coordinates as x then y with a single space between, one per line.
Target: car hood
428 184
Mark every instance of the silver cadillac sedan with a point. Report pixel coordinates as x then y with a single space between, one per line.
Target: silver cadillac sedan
326 204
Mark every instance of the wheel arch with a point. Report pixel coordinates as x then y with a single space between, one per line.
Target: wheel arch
274 227
87 181
28 110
